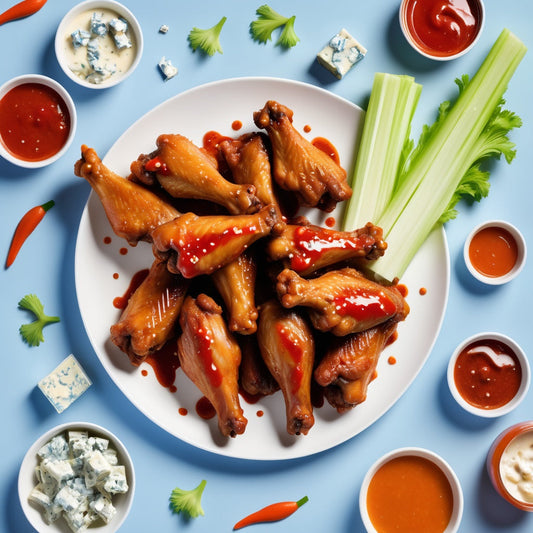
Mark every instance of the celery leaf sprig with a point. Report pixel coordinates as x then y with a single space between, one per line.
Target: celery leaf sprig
32 333
207 40
268 21
188 501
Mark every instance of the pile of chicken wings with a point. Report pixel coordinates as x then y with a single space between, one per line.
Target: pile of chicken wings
253 295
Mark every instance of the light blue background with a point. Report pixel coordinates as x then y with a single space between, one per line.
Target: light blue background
425 416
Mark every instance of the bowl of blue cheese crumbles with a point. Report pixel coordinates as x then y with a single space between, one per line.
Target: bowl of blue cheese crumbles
98 43
77 476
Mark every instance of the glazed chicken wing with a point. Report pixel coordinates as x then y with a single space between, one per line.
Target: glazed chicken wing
287 346
341 301
133 211
197 245
249 162
298 165
210 357
350 364
308 248
236 284
151 315
186 171
254 376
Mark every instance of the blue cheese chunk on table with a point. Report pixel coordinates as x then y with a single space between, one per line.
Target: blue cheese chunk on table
65 384
341 53
167 68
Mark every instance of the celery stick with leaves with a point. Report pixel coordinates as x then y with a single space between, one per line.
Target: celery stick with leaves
188 501
268 21
207 40
32 333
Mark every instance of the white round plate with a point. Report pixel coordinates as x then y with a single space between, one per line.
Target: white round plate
216 106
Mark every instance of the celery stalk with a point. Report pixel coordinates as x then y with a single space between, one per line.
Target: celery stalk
446 153
387 125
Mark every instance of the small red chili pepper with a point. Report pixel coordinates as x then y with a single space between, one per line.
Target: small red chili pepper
271 513
20 10
24 229
156 165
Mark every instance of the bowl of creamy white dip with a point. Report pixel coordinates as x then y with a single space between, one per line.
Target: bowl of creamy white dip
510 465
99 43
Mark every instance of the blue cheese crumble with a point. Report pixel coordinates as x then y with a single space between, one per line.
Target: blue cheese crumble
341 53
65 384
78 476
167 68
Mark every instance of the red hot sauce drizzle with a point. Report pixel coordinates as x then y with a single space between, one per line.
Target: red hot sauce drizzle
487 374
323 144
363 305
290 343
206 356
120 302
165 362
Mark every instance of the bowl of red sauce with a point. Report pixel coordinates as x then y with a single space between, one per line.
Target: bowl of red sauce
489 374
411 490
495 252
510 465
442 29
37 121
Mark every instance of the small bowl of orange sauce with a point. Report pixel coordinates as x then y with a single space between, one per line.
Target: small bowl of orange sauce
510 465
411 490
442 29
495 252
37 121
489 374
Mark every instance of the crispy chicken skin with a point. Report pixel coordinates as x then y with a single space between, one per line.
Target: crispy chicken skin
298 165
133 211
210 357
197 245
249 162
308 248
186 171
254 376
151 315
350 364
236 284
287 346
341 301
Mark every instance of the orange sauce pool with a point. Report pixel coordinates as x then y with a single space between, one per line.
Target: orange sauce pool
409 494
493 251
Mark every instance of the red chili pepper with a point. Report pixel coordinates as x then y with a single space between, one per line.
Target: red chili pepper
20 10
271 513
24 229
156 165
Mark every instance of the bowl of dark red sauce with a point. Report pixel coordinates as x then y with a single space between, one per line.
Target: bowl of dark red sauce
489 374
495 252
442 29
37 120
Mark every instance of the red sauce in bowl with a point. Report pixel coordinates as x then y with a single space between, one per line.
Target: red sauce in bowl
487 374
493 251
34 122
442 28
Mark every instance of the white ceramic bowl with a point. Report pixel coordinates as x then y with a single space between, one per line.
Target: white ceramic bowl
63 33
457 492
426 53
65 96
521 248
26 480
524 384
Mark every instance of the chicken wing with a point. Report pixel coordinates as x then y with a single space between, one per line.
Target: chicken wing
210 357
249 162
254 377
236 284
341 301
186 171
133 211
197 245
151 315
350 364
287 346
298 165
308 248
